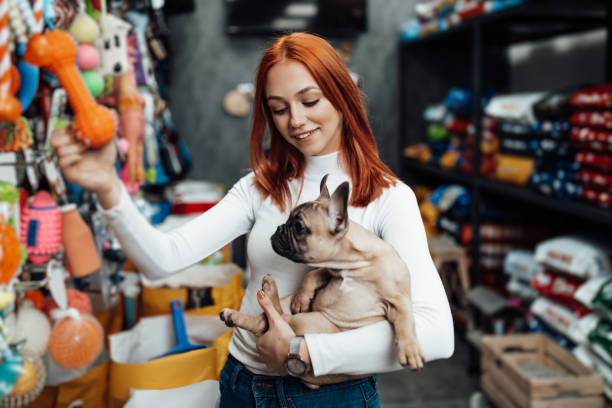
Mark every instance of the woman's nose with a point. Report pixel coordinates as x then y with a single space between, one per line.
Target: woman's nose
297 118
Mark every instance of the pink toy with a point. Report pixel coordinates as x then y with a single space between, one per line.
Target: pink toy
131 127
56 52
10 107
41 228
87 57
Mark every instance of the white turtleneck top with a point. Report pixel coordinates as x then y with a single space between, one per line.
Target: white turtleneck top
394 216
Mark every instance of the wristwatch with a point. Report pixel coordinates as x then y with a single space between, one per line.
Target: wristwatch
294 364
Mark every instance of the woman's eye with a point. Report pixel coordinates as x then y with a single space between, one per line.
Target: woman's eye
279 111
310 103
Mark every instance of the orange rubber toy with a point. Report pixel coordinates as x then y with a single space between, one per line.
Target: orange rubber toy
56 51
9 253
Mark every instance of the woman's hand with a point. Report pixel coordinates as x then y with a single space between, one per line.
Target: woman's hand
273 345
92 169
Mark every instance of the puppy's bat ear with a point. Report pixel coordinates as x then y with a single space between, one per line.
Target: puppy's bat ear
324 191
338 210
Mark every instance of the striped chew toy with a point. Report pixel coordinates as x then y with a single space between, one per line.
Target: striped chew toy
10 107
28 16
17 25
37 8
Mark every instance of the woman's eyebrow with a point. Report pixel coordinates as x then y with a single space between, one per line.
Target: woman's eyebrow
301 91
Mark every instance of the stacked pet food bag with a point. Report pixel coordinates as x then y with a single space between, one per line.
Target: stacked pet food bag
66 63
591 137
566 285
558 144
439 15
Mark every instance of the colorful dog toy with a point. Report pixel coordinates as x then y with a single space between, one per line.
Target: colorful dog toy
76 340
9 253
41 228
30 383
10 107
131 127
56 51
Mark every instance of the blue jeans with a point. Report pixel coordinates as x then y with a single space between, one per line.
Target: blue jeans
240 388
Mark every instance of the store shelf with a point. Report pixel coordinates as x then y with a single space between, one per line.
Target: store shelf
575 209
583 211
532 20
436 172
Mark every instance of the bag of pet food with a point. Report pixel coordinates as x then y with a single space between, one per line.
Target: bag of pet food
596 294
578 256
590 359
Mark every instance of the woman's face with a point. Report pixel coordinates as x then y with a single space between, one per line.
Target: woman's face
301 114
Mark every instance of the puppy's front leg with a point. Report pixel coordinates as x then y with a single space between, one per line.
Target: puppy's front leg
313 281
408 347
255 324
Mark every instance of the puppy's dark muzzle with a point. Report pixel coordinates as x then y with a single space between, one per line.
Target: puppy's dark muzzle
283 244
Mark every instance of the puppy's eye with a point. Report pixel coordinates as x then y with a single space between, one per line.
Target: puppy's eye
300 228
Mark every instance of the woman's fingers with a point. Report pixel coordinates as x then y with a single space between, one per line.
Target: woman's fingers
70 148
65 161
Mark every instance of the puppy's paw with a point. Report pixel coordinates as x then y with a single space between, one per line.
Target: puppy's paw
268 285
226 316
410 354
300 303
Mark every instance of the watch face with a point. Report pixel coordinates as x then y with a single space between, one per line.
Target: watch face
295 366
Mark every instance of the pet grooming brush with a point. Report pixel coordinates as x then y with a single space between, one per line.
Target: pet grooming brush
182 342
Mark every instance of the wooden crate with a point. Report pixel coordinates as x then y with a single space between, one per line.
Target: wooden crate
562 381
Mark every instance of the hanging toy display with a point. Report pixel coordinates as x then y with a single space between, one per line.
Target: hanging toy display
131 128
112 46
36 297
33 328
75 300
9 253
28 73
56 52
79 245
84 29
41 228
76 339
10 107
12 364
15 136
30 383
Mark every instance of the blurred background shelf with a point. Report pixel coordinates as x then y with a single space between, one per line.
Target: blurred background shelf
580 210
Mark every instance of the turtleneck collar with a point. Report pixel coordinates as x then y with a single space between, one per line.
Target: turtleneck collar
318 166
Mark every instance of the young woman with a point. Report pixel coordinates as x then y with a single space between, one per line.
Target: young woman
317 124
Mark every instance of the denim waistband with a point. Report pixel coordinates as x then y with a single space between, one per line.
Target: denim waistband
291 386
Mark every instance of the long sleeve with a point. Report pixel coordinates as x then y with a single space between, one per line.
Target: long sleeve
158 254
371 349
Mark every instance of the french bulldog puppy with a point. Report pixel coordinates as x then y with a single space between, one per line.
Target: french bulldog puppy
359 279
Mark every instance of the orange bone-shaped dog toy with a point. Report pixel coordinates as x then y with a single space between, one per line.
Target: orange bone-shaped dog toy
56 51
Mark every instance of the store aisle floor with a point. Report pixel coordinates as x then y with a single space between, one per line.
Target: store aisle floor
441 384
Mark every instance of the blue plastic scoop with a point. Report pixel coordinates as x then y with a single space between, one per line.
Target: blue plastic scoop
182 343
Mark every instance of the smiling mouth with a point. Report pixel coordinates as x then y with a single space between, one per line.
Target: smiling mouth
305 134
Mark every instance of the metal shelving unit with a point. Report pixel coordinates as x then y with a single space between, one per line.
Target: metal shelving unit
472 54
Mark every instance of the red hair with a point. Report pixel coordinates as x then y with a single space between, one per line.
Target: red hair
369 175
